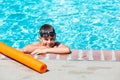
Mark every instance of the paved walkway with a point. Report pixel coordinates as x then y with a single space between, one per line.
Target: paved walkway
79 65
62 70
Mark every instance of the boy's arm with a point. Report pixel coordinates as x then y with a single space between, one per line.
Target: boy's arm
60 49
29 48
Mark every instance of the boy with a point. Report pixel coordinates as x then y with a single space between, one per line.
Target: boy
47 43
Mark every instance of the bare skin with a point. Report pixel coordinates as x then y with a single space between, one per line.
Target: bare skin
46 45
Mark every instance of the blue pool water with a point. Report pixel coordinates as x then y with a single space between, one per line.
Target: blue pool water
80 24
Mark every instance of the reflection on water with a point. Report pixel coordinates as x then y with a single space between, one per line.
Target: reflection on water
80 24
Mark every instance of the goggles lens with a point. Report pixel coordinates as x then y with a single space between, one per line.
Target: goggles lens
48 34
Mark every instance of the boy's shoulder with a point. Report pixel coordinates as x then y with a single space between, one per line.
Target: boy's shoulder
57 44
36 43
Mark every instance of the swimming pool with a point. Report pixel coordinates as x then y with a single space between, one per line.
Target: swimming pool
80 24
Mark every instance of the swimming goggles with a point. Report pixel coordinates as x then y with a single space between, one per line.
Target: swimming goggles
52 34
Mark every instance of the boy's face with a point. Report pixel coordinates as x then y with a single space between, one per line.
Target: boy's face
48 41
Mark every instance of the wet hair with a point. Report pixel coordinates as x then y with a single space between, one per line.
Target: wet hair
47 30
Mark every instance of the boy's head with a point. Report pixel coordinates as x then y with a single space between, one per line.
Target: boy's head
47 35
47 30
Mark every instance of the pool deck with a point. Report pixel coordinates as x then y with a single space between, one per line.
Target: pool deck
107 55
79 65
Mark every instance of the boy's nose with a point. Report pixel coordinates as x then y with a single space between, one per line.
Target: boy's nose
49 41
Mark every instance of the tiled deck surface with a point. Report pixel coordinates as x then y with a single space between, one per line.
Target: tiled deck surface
107 55
79 65
62 70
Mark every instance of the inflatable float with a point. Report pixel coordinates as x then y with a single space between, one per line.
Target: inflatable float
23 58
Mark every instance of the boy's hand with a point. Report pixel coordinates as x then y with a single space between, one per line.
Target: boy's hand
39 51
